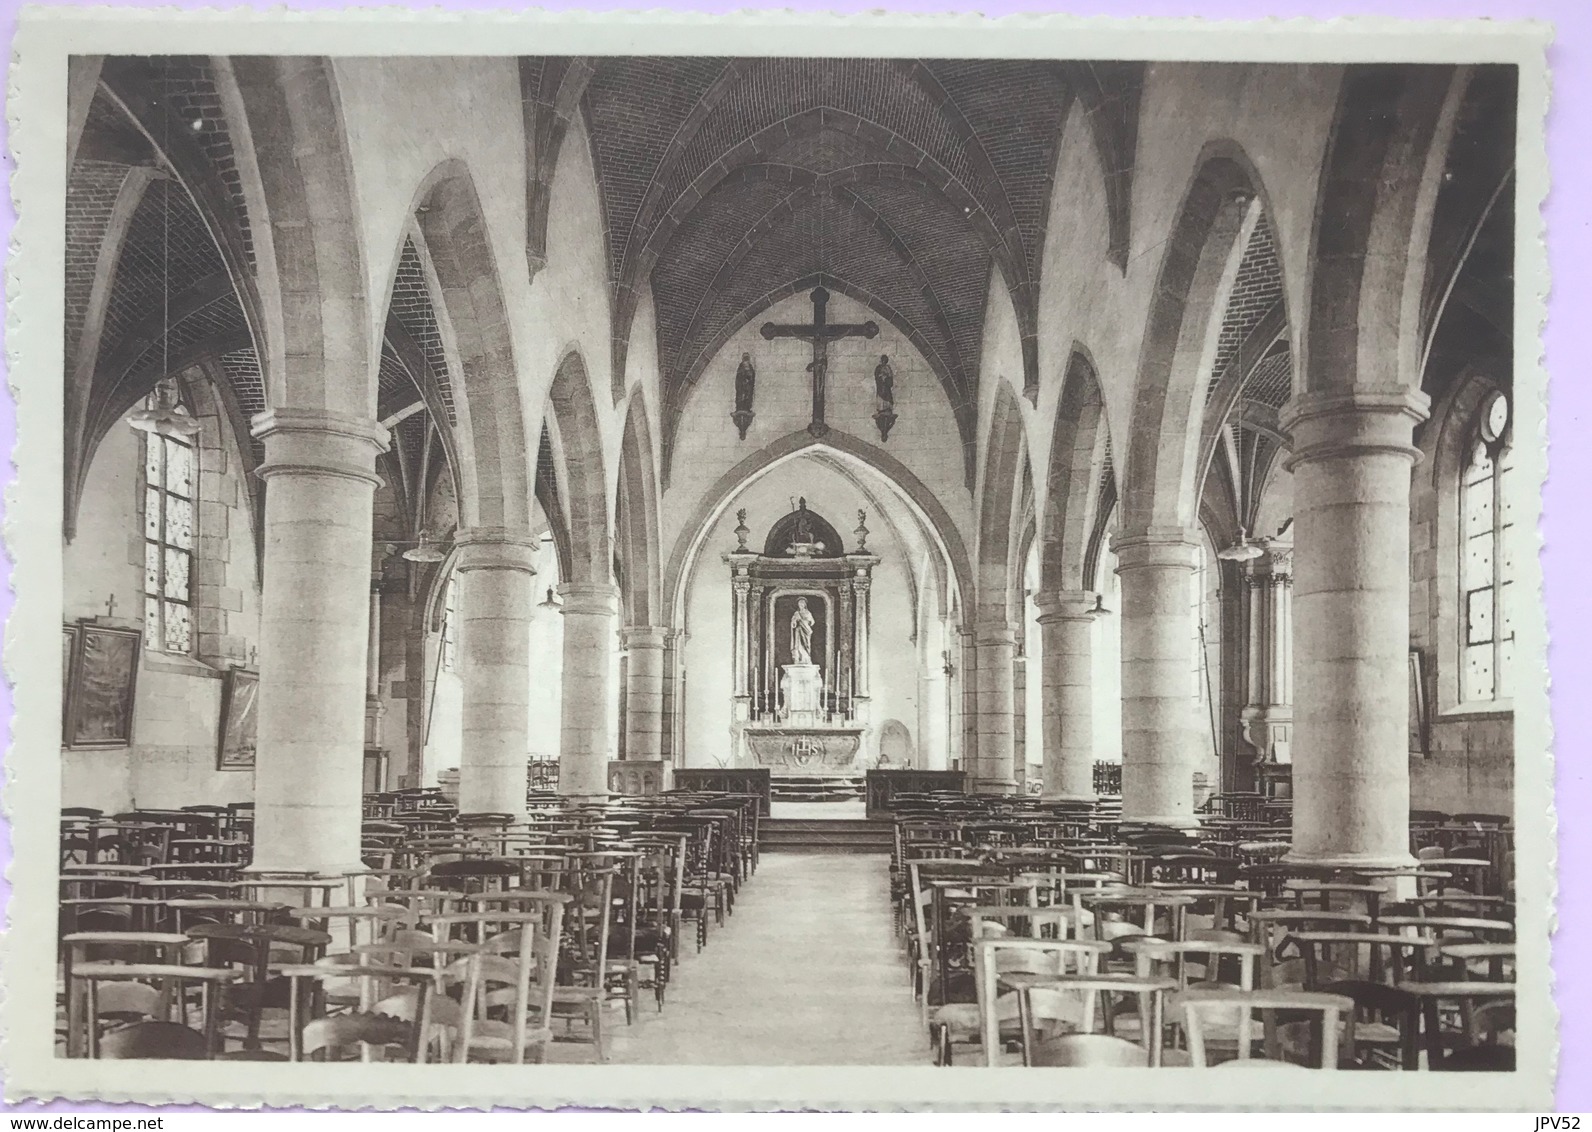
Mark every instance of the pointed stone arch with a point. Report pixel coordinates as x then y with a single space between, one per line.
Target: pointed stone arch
309 238
583 475
1220 208
913 492
1079 443
1370 242
497 476
1005 464
636 519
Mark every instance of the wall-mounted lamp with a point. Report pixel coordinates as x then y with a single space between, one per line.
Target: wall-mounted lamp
424 551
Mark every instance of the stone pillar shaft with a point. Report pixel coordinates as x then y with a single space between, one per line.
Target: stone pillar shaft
496 602
991 767
320 475
1351 597
589 611
644 692
1066 624
1158 666
859 653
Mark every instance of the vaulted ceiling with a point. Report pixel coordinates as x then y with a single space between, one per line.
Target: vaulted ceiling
728 184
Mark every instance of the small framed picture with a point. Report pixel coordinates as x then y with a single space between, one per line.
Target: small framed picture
1420 720
239 698
102 675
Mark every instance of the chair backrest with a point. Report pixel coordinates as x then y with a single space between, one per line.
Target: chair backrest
1172 959
1200 1006
518 971
995 957
157 1040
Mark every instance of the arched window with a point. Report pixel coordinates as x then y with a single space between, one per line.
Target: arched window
1486 568
450 625
171 477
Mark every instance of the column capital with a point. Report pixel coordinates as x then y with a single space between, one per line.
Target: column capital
1332 424
643 637
994 632
1156 547
589 597
495 548
318 442
1065 605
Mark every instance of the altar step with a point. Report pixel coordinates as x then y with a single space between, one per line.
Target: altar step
817 787
824 835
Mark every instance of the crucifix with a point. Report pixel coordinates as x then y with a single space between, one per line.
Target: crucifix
820 333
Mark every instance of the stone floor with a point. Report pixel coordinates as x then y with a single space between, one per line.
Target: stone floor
808 971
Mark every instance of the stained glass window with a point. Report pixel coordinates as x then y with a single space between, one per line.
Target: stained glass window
169 538
1486 567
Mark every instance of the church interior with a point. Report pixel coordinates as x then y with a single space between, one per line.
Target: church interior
1034 536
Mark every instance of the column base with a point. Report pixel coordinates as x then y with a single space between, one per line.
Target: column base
1353 860
1069 798
994 785
1173 821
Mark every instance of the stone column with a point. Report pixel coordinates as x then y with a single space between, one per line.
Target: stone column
1351 599
1066 624
992 767
1158 664
860 586
674 696
1020 718
319 472
934 712
643 692
589 611
497 596
1267 715
964 723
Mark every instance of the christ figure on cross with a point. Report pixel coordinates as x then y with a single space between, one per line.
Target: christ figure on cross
820 333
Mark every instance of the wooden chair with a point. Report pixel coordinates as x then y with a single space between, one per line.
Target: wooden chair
508 986
1200 1006
334 1037
1332 956
996 1015
1221 964
1096 993
1384 1029
581 995
87 978
164 1041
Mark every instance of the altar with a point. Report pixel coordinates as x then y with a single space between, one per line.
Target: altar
800 668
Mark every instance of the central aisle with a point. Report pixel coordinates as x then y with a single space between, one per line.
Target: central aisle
807 971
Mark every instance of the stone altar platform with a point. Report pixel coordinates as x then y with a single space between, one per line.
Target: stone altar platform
804 750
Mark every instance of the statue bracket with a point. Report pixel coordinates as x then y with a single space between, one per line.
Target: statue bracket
886 420
743 420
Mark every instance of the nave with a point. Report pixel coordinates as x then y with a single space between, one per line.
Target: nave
572 504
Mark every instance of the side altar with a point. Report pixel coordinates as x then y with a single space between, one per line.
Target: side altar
800 668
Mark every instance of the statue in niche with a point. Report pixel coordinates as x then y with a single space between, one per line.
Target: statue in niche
884 396
745 390
801 633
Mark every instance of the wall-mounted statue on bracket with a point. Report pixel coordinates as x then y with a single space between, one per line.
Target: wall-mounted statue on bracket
745 390
884 395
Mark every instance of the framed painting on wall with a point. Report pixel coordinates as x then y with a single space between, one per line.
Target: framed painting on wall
239 698
102 675
68 652
1420 717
